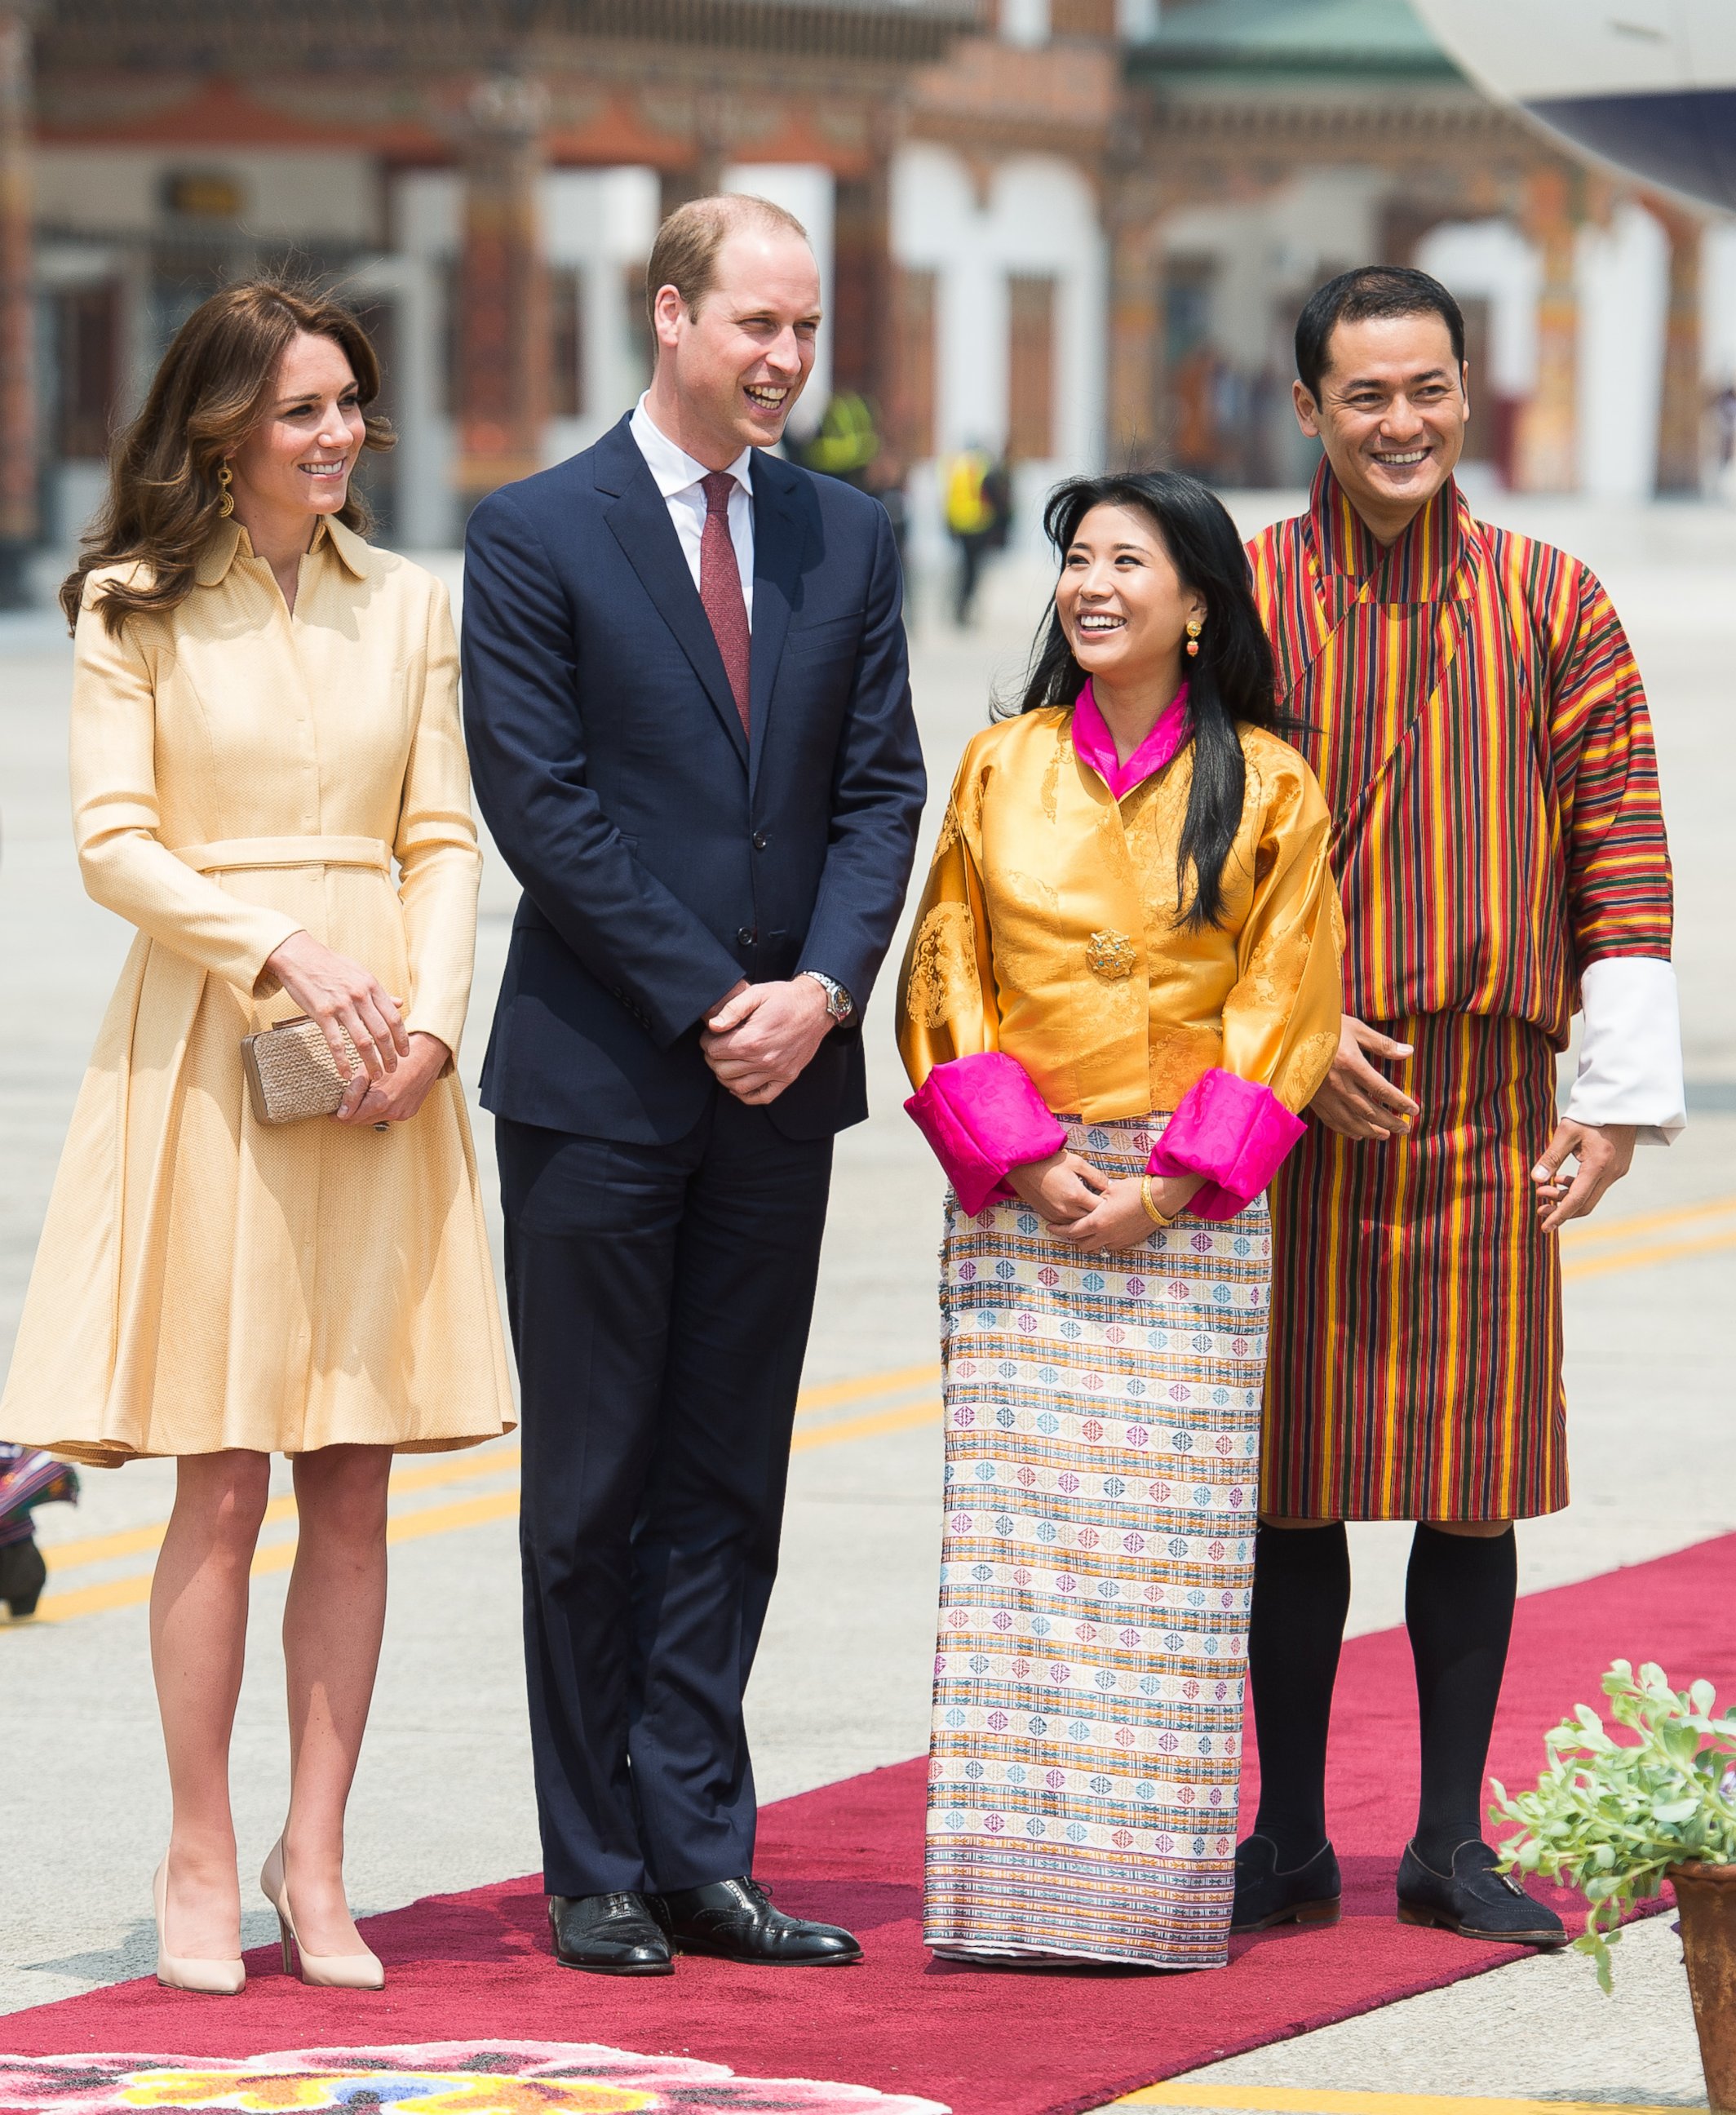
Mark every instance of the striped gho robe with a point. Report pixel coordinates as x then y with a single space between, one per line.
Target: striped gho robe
1471 708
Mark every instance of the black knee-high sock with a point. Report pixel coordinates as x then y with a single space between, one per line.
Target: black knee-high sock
1458 1597
1301 1597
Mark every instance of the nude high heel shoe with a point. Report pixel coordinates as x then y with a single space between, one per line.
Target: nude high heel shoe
330 1971
215 1978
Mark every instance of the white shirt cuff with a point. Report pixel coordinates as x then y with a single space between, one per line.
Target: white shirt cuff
1630 1051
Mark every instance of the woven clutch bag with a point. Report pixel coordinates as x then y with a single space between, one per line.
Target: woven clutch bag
291 1074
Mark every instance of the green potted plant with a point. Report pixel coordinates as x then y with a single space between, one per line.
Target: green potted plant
1618 1817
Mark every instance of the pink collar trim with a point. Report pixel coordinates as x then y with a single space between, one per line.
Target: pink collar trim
1095 744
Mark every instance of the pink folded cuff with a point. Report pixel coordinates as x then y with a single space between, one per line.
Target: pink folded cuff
983 1115
1234 1133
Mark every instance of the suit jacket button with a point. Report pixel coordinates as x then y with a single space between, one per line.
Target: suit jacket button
760 841
745 937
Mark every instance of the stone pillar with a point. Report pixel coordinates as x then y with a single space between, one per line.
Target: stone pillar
1545 447
501 329
1682 408
1135 439
702 177
18 523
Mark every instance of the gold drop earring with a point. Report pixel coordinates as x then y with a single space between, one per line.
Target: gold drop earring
1195 626
225 478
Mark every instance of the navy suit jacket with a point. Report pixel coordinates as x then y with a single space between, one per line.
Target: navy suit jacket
662 856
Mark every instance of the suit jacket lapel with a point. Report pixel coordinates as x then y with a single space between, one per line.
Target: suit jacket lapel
640 524
777 559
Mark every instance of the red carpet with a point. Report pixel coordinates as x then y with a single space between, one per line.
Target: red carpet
475 1966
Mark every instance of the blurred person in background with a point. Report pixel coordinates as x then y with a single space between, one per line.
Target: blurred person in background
264 717
977 491
28 1479
848 446
1472 704
1122 983
687 690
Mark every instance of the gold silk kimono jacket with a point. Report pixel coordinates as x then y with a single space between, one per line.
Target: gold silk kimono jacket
240 774
1049 931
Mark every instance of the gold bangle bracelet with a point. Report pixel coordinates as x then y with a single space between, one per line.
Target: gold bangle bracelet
1149 1203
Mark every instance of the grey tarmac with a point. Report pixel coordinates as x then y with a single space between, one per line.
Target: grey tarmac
444 1801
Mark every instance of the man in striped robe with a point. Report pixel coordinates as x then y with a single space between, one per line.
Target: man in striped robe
1471 708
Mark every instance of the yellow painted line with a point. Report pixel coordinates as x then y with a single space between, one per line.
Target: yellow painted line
1653 1252
455 1468
460 1466
128 1542
1645 1223
1299 2100
462 1512
412 1526
871 1384
867 1428
129 1593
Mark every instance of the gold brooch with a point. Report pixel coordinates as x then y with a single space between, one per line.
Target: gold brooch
1111 955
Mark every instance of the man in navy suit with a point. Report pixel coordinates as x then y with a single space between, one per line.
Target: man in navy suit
688 702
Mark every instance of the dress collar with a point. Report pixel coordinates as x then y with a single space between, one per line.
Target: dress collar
1418 565
1095 745
231 540
671 467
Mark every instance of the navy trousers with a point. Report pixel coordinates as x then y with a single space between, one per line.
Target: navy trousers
660 1298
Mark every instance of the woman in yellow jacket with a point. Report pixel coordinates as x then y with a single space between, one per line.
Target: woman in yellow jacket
264 723
1122 984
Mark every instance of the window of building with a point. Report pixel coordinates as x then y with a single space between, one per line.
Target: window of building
87 357
1084 18
567 391
641 346
1030 407
913 373
377 471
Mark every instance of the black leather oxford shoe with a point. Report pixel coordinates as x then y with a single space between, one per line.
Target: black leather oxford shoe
1265 1895
735 1919
1474 1900
609 1935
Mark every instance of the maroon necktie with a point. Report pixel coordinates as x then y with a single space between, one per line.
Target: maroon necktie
719 588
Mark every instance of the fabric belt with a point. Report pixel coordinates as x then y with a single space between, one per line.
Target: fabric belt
233 852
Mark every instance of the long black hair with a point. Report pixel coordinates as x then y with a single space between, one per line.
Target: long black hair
1231 678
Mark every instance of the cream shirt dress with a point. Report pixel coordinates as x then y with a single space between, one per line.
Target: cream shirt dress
205 1282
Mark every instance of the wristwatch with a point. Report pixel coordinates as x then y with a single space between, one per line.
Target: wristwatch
838 1003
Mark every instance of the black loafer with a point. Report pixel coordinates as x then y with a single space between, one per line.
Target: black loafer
1474 1900
1265 1895
609 1935
735 1920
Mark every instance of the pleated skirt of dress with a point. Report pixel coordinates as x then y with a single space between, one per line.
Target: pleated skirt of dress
1102 1427
206 1282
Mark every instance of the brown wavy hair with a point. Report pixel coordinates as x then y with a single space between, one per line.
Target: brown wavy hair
164 502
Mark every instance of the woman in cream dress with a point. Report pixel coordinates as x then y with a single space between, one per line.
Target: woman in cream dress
264 726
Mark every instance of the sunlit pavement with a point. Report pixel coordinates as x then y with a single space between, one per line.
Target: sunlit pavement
443 1799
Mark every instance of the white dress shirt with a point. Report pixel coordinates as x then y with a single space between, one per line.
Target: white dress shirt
678 478
1630 1048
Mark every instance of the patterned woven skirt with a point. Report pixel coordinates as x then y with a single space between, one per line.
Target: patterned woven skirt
1416 1366
1102 1443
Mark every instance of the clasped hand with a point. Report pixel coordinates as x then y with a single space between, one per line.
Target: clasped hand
1092 1211
398 1065
762 1035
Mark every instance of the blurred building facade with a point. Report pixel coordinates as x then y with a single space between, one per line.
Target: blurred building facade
1075 231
